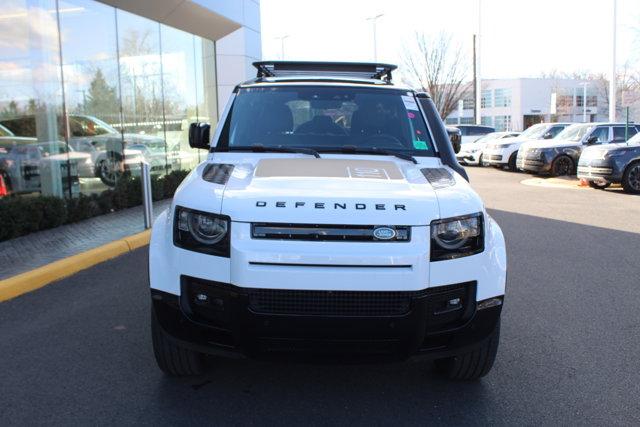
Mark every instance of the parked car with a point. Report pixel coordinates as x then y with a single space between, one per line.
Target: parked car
24 160
504 153
471 153
111 151
455 136
471 133
330 216
616 163
560 155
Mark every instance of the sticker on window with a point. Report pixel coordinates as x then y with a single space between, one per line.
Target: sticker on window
409 103
420 145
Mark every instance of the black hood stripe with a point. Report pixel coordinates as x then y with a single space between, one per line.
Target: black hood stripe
217 173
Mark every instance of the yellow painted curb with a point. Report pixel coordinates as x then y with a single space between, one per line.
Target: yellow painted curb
41 276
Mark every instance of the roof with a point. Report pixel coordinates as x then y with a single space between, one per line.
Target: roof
367 73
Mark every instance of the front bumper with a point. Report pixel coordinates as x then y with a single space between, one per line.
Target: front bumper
533 164
469 158
496 156
244 322
600 170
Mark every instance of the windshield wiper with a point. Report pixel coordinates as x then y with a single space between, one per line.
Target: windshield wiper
373 150
259 148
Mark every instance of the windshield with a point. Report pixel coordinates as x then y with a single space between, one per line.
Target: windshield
4 131
490 137
535 131
327 119
89 126
635 139
574 132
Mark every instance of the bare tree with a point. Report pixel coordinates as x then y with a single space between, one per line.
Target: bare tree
438 66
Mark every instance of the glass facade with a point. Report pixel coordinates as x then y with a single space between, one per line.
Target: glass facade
502 97
486 100
502 123
88 91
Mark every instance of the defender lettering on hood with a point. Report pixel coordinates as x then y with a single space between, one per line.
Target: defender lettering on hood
343 206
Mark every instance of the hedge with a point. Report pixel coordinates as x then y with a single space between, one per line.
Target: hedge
24 215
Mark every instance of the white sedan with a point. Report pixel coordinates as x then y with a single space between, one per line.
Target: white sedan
471 153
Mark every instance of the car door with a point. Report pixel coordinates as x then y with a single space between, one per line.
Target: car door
619 133
602 135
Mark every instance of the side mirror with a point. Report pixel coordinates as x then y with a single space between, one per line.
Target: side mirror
456 145
592 140
199 135
547 135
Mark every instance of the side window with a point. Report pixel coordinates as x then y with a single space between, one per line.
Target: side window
602 133
618 133
555 130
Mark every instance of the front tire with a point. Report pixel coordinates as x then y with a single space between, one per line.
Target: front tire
472 365
631 178
172 359
599 186
512 162
109 169
562 166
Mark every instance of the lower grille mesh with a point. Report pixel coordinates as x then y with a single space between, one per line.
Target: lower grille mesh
331 303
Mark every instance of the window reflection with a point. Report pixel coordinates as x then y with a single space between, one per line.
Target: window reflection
32 160
83 106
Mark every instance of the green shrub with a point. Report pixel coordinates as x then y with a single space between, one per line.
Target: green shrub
20 215
54 212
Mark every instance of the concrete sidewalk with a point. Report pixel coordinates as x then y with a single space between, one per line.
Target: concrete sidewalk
37 249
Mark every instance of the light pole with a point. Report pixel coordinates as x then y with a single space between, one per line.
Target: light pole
584 101
478 79
374 19
612 78
286 36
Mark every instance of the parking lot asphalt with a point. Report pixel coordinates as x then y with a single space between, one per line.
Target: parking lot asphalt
79 351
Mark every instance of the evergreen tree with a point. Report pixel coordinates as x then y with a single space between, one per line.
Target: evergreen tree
101 99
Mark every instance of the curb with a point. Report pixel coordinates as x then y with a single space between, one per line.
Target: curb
42 276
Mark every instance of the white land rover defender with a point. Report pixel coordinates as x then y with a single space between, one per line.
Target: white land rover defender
330 217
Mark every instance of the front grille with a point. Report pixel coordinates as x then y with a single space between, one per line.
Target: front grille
532 163
594 171
339 233
331 303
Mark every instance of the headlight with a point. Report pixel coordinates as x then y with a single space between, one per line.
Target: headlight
201 232
615 153
456 237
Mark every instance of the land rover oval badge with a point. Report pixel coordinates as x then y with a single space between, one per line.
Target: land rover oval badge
384 233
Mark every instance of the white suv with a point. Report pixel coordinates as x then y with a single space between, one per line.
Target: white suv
504 153
330 217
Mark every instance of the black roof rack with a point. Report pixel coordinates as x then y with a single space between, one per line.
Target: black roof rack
362 70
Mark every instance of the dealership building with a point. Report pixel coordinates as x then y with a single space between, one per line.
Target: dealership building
89 89
516 104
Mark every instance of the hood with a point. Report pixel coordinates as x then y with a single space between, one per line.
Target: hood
598 151
333 191
552 143
612 146
517 140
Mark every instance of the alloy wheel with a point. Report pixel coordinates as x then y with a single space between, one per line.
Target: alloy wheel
634 177
562 166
